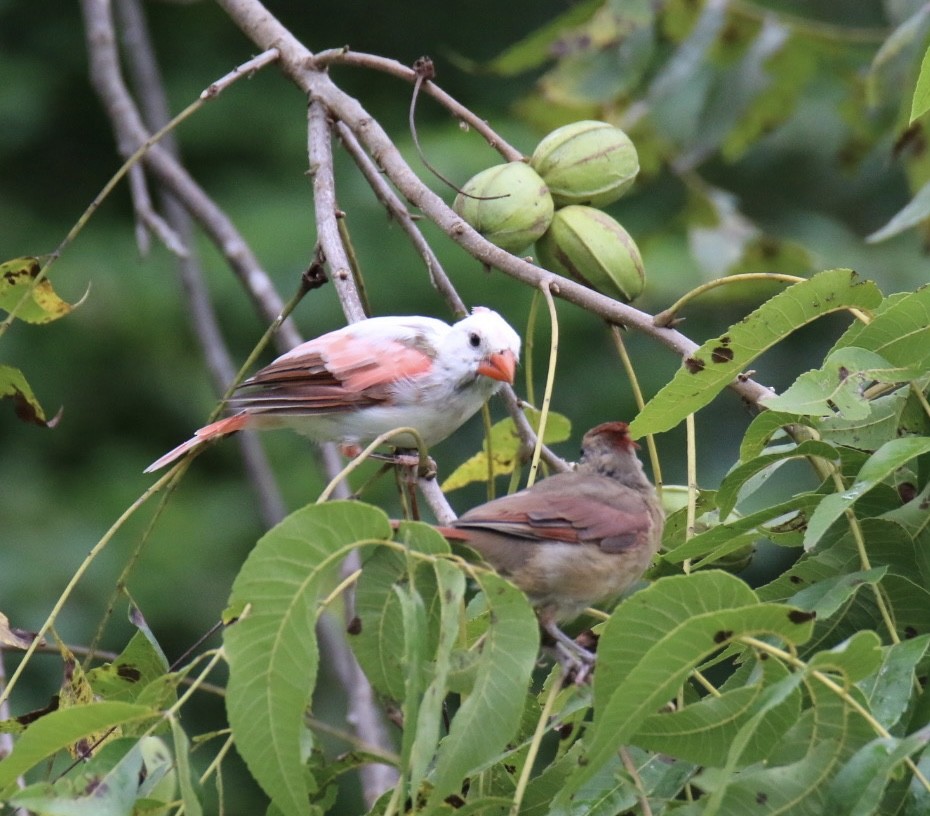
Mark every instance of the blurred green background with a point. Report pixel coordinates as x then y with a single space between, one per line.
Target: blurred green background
125 367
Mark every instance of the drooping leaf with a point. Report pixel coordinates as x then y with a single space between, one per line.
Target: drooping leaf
879 466
537 48
13 638
855 658
888 689
140 663
910 215
703 732
451 584
489 717
57 730
377 636
732 488
187 780
920 103
100 788
655 638
42 304
838 387
717 362
858 786
13 386
272 648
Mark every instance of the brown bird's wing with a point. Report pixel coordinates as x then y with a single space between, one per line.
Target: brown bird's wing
615 521
333 373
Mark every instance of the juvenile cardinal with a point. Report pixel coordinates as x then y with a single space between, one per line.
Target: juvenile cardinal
370 377
574 538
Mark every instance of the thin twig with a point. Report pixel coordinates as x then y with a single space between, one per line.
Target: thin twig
401 215
298 63
343 56
202 316
320 152
131 133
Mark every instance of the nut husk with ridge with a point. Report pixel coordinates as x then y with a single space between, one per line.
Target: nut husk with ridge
586 162
509 204
588 245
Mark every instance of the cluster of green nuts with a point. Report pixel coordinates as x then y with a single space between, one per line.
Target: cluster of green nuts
554 200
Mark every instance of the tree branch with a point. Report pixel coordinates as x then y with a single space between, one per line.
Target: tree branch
131 132
298 63
143 68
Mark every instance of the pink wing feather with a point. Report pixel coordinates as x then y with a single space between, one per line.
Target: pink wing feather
335 372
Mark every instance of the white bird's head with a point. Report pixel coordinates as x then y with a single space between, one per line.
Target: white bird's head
486 343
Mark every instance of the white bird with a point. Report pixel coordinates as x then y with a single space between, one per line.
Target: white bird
355 383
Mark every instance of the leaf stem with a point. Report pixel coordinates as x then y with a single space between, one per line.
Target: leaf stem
837 689
541 725
550 380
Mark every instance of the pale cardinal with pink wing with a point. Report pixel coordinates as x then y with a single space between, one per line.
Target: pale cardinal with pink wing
370 377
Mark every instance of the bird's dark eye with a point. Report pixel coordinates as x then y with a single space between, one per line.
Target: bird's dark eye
474 339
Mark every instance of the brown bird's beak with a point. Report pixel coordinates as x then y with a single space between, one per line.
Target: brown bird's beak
502 365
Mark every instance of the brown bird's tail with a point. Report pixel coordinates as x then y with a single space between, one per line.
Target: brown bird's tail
215 430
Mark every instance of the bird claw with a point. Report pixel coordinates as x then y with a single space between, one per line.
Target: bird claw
576 661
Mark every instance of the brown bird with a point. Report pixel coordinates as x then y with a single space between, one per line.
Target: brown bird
574 538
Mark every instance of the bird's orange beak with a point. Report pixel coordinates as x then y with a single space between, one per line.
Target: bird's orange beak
502 365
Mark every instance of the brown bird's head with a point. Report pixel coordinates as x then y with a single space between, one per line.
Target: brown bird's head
607 449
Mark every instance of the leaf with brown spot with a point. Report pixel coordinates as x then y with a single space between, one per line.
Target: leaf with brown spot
11 638
772 322
18 281
13 386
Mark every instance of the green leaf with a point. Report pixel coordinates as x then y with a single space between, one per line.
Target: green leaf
505 445
879 466
717 362
534 50
13 386
451 584
910 215
56 731
733 483
140 663
272 648
703 543
888 689
870 433
762 429
899 332
489 717
857 788
825 597
838 387
189 783
107 788
855 658
703 732
378 639
920 104
42 304
655 638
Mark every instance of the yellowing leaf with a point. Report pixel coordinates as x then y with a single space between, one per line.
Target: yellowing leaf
17 277
13 385
504 449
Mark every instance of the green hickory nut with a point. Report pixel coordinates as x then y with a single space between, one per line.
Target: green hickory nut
586 162
588 245
508 204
